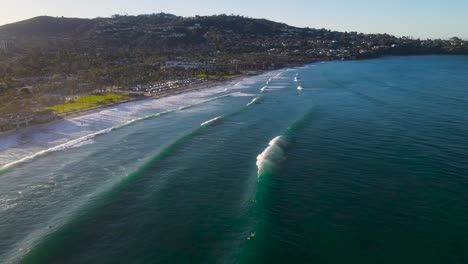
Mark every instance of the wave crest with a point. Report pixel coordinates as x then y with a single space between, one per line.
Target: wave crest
211 121
271 156
255 100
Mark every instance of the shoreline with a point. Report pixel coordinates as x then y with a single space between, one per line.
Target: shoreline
82 112
207 85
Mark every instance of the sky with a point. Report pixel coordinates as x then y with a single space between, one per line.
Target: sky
413 18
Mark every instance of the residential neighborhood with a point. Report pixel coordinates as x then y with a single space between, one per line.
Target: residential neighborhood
47 61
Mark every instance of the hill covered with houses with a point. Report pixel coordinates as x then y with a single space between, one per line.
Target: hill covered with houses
57 57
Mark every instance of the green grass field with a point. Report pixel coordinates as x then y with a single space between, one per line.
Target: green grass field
87 101
207 76
212 76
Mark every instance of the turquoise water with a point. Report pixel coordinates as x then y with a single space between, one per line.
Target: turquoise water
366 164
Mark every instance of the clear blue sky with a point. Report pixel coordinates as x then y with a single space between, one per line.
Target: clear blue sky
417 18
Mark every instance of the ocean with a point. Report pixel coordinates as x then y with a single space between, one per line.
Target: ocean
365 162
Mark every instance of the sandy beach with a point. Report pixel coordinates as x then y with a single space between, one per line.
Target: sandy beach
73 130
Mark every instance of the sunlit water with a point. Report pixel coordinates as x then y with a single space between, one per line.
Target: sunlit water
367 163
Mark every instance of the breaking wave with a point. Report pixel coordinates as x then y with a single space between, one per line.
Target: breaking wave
241 94
275 153
255 100
211 121
271 156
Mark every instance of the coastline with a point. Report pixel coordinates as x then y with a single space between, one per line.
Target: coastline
82 112
17 144
74 129
210 84
186 89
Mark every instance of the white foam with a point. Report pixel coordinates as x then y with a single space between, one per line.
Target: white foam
85 140
272 87
279 75
70 144
84 143
272 154
252 102
8 203
206 123
34 141
241 94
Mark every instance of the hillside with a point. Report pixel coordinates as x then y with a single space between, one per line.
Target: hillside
52 45
44 27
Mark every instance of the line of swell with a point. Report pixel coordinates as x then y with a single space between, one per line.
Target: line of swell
171 111
118 187
103 196
270 80
76 142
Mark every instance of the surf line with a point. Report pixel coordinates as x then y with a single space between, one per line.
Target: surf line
173 110
100 198
216 120
75 142
265 86
63 146
254 101
270 80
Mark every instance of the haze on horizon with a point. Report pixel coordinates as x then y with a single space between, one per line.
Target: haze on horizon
418 19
